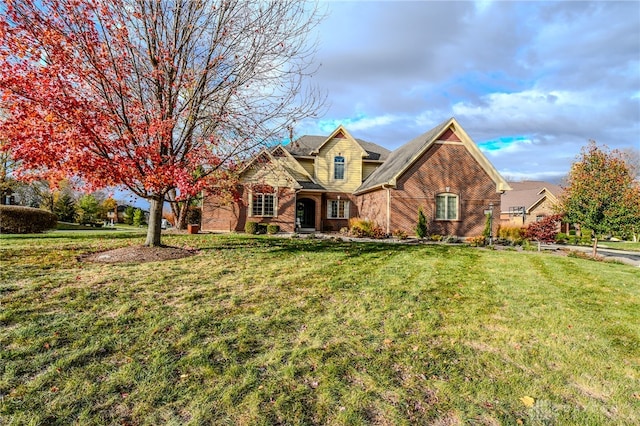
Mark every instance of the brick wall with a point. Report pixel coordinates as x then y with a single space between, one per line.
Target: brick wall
330 225
444 165
373 206
217 216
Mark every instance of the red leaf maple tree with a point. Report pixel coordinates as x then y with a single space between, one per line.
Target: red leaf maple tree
154 96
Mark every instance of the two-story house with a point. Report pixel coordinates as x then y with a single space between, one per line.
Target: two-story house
317 183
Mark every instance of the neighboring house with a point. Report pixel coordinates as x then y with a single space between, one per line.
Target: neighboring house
317 183
120 213
529 201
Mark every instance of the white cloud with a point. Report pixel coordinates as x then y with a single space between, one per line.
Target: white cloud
360 123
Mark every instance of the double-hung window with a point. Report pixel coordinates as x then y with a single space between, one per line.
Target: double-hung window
337 209
263 205
446 207
338 167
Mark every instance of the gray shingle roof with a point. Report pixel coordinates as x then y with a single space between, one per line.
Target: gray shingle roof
305 145
400 158
311 185
527 193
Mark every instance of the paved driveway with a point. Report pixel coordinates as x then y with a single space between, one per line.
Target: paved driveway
625 256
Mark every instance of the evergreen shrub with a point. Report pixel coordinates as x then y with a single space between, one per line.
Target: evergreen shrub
251 227
273 229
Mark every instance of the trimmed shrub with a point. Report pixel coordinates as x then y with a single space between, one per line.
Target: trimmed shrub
251 227
273 229
436 237
477 241
512 234
362 228
25 220
262 228
422 229
561 237
399 234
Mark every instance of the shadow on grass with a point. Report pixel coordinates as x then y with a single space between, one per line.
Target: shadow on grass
307 245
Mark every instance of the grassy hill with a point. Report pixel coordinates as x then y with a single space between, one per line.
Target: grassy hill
259 330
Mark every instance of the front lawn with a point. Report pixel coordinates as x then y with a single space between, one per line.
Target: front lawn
260 330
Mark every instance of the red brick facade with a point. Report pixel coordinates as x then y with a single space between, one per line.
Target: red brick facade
444 168
226 217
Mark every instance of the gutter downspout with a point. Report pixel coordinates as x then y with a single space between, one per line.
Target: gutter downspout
388 188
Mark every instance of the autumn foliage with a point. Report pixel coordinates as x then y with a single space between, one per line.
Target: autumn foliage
601 194
156 96
545 230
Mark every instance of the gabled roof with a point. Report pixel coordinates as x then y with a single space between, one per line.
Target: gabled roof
291 172
290 164
307 146
529 194
404 157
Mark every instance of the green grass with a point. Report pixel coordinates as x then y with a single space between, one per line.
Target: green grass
258 330
620 245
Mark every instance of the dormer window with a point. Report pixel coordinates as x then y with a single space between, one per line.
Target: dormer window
338 167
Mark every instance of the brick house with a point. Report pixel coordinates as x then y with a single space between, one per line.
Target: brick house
529 201
317 183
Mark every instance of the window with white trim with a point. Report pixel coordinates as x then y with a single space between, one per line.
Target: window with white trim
446 207
337 209
338 167
263 205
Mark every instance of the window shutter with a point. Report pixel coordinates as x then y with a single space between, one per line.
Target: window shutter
329 208
250 206
346 209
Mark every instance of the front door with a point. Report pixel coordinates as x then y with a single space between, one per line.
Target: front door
306 213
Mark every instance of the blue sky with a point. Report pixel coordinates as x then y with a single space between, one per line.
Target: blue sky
531 82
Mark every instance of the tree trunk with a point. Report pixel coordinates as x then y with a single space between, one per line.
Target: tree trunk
595 247
179 209
155 222
181 220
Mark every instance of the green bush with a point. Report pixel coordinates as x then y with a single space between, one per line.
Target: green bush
138 218
422 229
251 227
262 228
561 237
273 229
25 220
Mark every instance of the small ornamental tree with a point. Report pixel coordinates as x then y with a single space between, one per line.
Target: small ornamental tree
158 97
601 194
128 213
138 218
543 231
422 229
87 209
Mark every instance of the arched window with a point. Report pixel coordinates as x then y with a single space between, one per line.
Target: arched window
447 206
338 167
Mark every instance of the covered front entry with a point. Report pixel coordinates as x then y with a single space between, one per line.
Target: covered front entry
305 214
